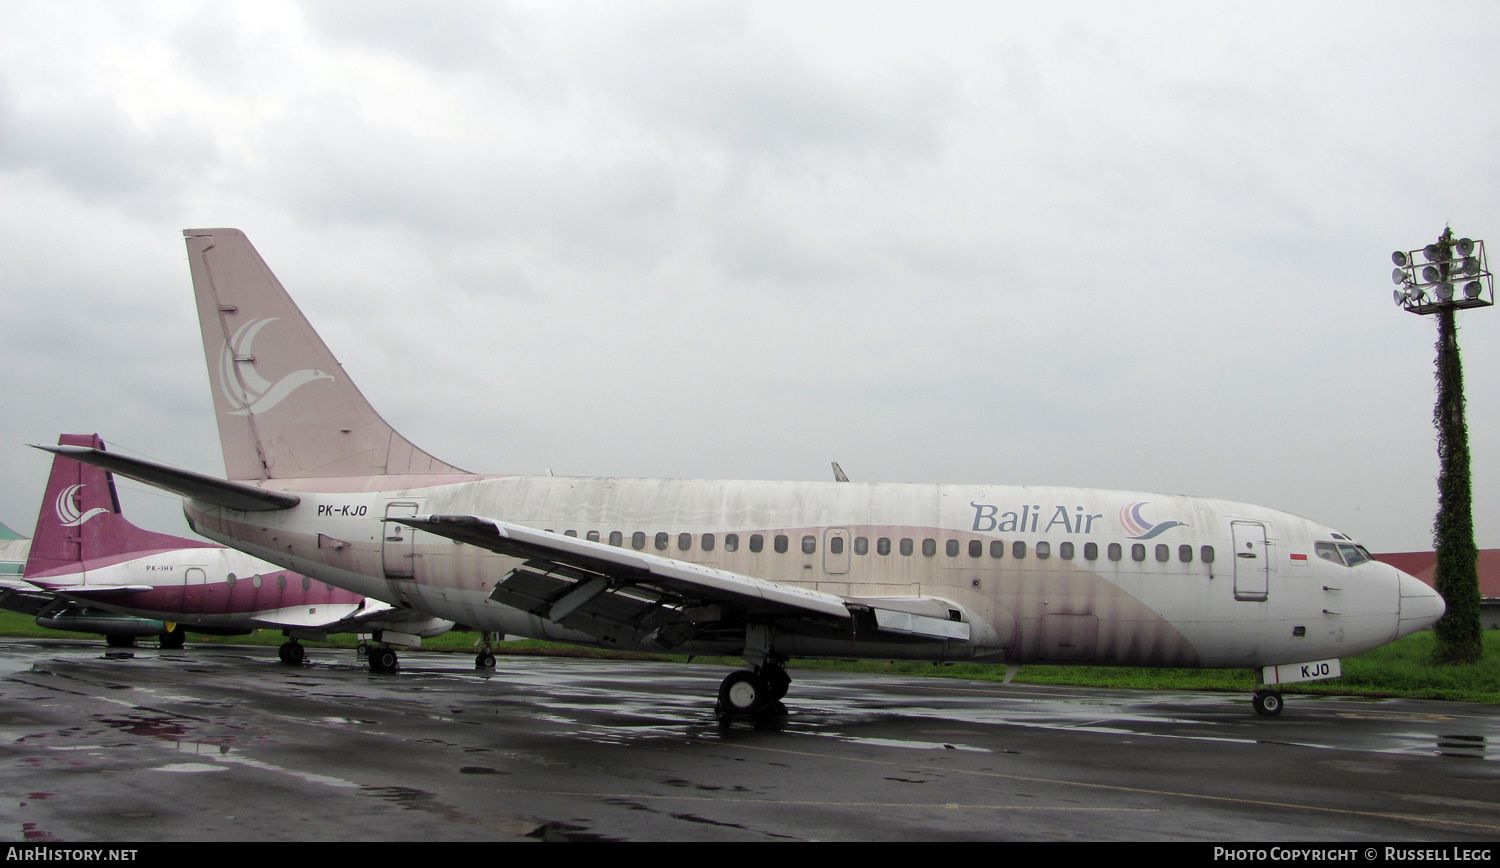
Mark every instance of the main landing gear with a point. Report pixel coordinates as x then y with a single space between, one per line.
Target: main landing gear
485 659
383 658
1266 701
174 638
756 691
292 653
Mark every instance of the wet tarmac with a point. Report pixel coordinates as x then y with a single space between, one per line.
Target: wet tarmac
226 743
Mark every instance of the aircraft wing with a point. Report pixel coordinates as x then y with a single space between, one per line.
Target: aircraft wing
22 596
361 617
86 592
630 596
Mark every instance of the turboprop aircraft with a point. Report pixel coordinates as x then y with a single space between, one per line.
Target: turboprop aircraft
318 482
90 570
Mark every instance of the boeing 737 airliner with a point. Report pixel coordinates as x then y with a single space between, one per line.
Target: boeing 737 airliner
763 570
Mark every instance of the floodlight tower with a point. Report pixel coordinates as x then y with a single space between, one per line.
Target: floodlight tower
1435 291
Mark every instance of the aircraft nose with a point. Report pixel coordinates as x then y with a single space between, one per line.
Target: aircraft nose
1421 605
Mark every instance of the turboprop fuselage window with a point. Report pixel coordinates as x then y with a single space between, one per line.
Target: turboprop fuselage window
1185 553
997 548
616 538
1091 551
976 548
1206 554
883 546
1114 551
708 542
1138 552
861 545
1065 551
951 548
638 540
684 541
929 547
781 543
809 544
661 541
1044 550
731 542
907 547
1018 550
1163 552
757 542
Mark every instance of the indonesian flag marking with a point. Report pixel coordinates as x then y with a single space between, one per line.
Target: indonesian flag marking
1300 558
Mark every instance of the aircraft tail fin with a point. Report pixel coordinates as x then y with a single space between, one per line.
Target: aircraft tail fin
80 518
285 407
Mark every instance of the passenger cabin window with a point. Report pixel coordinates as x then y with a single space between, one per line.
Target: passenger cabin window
997 548
1138 552
1065 551
1091 551
861 545
810 544
1114 551
1044 550
757 542
835 546
907 546
1018 549
883 546
951 548
572 533
592 536
616 538
929 547
1163 552
684 541
781 543
731 542
661 541
976 548
708 542
1185 553
638 540
1206 554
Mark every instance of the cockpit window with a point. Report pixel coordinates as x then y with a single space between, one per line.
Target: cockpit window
1346 553
1354 555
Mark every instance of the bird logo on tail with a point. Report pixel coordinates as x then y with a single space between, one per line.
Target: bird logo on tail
247 391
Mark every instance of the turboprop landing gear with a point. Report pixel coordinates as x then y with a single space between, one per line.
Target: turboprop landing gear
485 659
174 638
383 659
1266 701
292 653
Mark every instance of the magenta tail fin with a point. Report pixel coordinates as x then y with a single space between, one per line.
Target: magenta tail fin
80 518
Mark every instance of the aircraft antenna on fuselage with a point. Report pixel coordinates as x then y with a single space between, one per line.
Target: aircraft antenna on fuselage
285 407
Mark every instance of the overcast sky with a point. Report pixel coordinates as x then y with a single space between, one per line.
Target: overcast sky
1140 246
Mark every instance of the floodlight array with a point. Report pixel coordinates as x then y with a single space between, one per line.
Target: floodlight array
1455 274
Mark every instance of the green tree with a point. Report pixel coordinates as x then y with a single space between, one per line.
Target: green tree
1457 574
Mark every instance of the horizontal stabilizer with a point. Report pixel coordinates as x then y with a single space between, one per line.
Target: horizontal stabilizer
233 495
